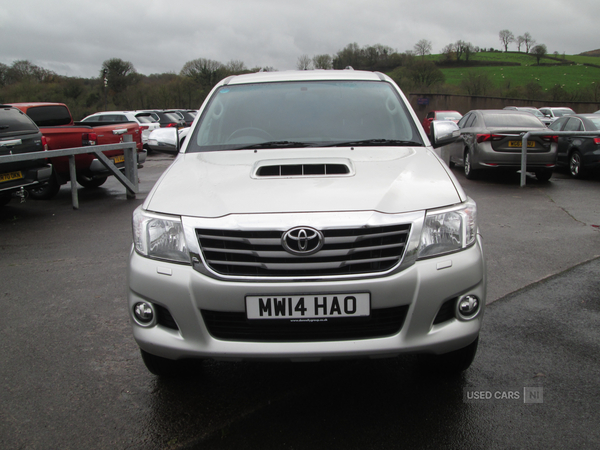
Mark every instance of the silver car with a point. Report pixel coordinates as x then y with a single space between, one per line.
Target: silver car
492 140
307 217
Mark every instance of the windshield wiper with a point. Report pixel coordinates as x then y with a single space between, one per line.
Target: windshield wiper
376 142
275 144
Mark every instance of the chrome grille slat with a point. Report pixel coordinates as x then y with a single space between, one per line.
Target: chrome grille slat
346 251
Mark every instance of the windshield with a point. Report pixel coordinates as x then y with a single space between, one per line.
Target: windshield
563 112
301 114
446 115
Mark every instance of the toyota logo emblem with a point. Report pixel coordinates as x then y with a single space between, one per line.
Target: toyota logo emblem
302 241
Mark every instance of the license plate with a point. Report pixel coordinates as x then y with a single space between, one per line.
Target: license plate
308 307
10 176
513 144
119 159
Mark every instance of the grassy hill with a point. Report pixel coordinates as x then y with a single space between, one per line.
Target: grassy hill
572 72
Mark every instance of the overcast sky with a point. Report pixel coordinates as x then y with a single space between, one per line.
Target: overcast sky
74 38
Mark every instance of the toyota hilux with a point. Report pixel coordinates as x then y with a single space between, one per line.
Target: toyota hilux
307 217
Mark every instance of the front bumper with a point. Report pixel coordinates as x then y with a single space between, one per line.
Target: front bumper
422 287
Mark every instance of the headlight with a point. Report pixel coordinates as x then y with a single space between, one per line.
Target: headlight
158 236
448 230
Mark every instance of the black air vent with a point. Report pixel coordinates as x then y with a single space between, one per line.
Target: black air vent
300 170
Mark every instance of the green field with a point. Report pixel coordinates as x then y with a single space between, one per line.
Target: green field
573 76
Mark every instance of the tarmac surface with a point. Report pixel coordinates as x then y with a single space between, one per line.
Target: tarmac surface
71 376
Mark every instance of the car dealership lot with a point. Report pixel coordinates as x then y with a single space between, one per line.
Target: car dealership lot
72 376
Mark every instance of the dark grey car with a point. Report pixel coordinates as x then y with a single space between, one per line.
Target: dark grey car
580 154
18 135
492 139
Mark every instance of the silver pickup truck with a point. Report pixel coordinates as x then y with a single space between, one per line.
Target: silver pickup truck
307 217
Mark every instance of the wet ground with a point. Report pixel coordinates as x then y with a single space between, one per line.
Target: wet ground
71 376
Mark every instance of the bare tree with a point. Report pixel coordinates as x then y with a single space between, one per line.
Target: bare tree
528 41
422 48
448 52
236 66
322 62
304 63
520 41
506 37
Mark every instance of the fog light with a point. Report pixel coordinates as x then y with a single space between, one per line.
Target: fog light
143 313
468 306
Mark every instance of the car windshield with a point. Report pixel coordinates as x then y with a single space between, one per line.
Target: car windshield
513 120
535 112
301 114
449 116
563 112
145 118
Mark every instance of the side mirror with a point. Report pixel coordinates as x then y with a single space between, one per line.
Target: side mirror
164 140
443 132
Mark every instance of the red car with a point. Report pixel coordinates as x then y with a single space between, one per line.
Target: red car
454 116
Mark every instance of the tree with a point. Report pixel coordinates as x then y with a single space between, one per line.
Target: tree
539 51
469 49
424 74
304 62
205 72
322 62
448 52
528 41
459 49
520 41
506 37
119 74
476 83
422 48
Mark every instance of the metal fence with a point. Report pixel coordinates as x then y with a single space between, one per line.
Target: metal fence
129 180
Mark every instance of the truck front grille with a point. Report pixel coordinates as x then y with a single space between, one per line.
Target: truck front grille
235 326
349 251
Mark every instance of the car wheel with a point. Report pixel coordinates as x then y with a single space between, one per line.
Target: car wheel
543 174
89 182
576 165
160 366
46 191
455 362
470 174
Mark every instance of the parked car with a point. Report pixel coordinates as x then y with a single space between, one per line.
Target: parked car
18 135
147 121
169 118
56 124
453 116
555 112
536 112
288 228
188 115
491 139
580 154
163 140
